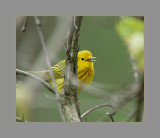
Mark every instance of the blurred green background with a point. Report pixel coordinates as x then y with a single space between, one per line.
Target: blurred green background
107 37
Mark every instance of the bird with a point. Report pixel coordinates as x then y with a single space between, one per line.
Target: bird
85 71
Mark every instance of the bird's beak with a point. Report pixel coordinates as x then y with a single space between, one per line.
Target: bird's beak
92 59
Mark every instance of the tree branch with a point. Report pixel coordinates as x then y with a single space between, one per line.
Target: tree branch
24 24
37 22
99 106
71 59
41 81
70 96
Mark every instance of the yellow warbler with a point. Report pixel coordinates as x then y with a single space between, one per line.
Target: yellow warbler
85 71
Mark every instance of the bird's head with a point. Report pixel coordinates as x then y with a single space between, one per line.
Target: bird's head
85 59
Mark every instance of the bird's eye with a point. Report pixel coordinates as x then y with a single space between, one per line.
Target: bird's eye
82 58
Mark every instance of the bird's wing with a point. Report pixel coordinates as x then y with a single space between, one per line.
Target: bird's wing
58 71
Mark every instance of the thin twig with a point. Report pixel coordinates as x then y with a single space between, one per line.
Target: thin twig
37 22
111 114
112 118
75 22
24 24
41 81
99 106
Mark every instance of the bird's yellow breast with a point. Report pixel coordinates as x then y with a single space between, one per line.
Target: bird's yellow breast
85 77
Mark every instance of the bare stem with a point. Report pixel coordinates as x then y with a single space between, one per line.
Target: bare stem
112 118
41 81
70 90
75 22
37 22
24 24
99 106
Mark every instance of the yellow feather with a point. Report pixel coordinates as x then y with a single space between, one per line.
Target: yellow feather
85 71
